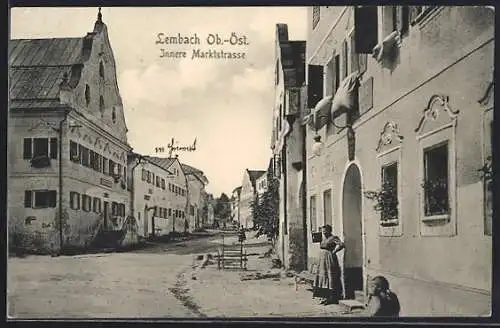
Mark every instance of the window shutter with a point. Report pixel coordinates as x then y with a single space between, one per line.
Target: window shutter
27 153
354 55
366 27
345 57
28 198
52 198
362 58
53 148
315 85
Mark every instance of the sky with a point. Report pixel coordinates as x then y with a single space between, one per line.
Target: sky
225 104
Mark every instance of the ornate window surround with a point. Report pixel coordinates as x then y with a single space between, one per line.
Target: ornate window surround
446 224
389 152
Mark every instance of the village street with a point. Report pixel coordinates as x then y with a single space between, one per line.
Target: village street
158 281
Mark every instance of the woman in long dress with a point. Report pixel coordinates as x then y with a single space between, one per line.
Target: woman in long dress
328 284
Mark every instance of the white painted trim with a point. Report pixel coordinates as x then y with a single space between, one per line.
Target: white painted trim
320 45
446 133
341 214
393 155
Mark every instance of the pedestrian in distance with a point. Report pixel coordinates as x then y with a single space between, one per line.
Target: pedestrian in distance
328 283
382 302
241 235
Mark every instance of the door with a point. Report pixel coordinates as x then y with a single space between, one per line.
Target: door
106 214
352 228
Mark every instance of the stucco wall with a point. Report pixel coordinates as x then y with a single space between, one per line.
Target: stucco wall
246 198
430 273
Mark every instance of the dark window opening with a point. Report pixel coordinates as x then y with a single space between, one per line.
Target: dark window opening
101 104
436 187
101 70
314 223
27 148
40 147
87 94
389 192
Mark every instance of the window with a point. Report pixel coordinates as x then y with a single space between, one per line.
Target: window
27 152
86 203
114 209
40 198
355 58
327 207
390 213
118 169
73 152
112 167
314 223
169 187
144 175
316 15
149 177
436 192
101 70
84 156
74 200
87 94
396 18
113 115
105 166
40 147
366 27
125 173
96 205
314 85
158 182
163 184
53 148
101 104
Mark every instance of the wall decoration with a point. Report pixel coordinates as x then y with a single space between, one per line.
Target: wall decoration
389 134
432 112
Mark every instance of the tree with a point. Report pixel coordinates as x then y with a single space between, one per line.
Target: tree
223 207
265 211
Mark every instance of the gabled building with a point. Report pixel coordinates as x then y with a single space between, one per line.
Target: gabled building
247 196
152 200
287 145
176 202
67 153
402 108
196 182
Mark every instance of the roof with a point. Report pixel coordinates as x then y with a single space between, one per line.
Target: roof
254 175
163 162
195 172
37 68
237 189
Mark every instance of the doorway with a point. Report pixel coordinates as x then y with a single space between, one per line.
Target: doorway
353 235
146 221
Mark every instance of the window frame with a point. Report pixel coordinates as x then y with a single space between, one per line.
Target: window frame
446 224
392 155
75 196
313 213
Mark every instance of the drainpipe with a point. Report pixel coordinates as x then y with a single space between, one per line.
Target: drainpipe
60 131
304 195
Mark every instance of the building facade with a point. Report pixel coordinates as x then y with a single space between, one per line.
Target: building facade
151 197
247 197
196 182
235 205
402 100
287 146
68 144
174 216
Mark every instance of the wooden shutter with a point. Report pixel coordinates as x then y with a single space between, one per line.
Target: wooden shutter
366 27
28 198
354 54
314 85
27 152
345 61
53 148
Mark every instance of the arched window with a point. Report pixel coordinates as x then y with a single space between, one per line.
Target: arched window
101 104
101 70
87 94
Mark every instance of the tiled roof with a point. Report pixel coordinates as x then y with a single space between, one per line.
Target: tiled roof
163 162
37 67
189 169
